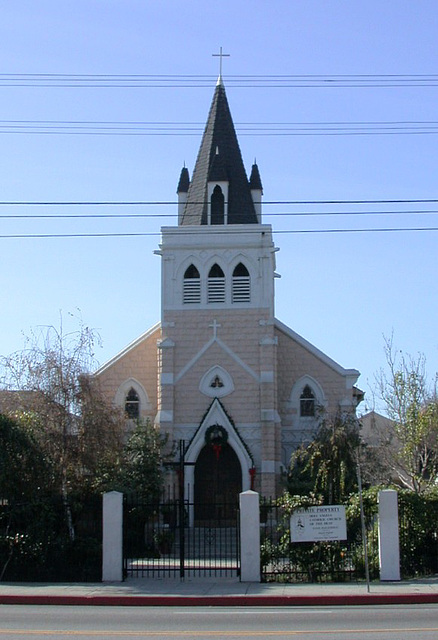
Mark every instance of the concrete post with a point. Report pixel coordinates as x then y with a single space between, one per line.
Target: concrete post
112 538
249 537
389 547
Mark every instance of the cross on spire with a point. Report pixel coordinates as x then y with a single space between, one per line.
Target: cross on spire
220 55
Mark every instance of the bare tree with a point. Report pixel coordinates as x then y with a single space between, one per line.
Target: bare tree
409 445
77 428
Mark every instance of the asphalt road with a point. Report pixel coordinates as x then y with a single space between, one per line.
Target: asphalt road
418 622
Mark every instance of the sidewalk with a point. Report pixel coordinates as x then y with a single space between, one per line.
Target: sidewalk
219 592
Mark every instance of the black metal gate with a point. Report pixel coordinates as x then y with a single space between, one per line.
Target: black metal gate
180 539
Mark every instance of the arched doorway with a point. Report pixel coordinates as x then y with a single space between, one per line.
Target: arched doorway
218 482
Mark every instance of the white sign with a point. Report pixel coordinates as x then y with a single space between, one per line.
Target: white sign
318 523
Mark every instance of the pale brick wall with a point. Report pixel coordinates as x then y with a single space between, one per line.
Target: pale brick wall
295 361
138 362
241 332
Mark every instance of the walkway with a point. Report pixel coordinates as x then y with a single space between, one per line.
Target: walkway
219 592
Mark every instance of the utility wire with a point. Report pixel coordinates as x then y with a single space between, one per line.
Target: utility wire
143 234
172 123
255 129
175 203
46 80
291 214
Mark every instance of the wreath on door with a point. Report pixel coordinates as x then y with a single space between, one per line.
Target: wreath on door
216 436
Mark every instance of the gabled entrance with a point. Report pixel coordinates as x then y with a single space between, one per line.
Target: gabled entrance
218 466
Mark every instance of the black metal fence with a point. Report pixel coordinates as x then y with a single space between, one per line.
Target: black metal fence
335 561
51 540
285 561
177 538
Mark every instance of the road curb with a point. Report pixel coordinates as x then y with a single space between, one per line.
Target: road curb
222 601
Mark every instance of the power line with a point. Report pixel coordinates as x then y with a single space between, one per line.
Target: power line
154 233
172 128
86 77
292 214
106 203
46 80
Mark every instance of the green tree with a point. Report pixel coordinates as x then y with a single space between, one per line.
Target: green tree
141 469
23 467
328 465
410 447
78 430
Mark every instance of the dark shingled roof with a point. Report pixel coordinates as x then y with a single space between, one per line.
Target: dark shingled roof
184 181
219 159
218 168
255 181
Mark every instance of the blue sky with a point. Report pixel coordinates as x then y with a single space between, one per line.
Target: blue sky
342 291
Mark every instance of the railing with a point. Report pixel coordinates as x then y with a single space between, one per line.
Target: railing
335 561
50 539
173 538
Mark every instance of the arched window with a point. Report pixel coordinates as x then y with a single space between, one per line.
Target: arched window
216 285
241 288
132 404
307 403
217 206
191 286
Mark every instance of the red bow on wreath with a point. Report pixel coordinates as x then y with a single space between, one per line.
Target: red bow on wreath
217 448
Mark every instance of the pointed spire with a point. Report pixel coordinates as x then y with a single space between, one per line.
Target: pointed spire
184 181
219 134
255 184
255 181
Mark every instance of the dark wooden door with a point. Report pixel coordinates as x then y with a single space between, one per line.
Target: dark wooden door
218 482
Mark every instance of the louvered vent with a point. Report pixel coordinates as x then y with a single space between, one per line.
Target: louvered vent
241 288
216 285
192 286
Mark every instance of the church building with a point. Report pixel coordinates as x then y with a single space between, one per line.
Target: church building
219 371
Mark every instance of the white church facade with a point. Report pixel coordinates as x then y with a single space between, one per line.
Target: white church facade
219 371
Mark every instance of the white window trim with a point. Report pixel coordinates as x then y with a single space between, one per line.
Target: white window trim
297 390
125 387
216 392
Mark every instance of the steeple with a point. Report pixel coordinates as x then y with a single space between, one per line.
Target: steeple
183 187
219 165
184 181
256 187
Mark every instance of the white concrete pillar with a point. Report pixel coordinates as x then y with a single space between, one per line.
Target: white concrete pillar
389 546
112 537
249 536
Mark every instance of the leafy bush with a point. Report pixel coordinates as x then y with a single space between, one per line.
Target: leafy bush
35 546
418 526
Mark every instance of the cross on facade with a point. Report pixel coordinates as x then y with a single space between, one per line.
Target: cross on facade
215 327
220 55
